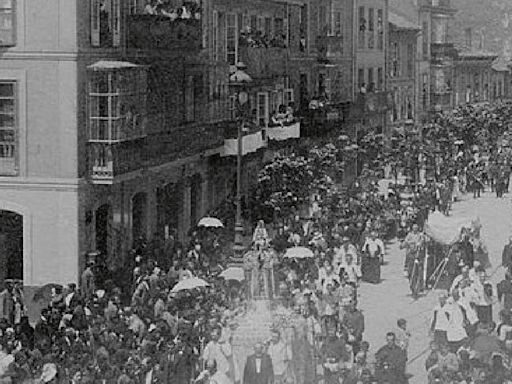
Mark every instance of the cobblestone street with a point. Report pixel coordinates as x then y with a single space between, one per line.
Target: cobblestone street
384 303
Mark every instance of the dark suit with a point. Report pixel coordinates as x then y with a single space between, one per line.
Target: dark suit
266 375
506 256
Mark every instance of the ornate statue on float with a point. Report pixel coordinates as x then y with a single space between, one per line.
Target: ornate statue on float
259 265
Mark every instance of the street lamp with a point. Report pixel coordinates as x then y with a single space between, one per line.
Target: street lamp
239 80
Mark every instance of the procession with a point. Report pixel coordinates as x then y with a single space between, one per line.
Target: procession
288 310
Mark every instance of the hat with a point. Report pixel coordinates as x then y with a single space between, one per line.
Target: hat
345 238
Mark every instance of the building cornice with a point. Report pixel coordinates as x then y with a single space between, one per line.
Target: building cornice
41 184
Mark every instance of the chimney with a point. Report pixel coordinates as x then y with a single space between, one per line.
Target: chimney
482 40
469 38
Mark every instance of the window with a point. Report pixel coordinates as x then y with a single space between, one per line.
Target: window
360 77
288 96
303 90
410 60
380 29
362 27
321 84
8 129
268 27
380 79
105 23
322 20
396 70
371 28
215 35
117 104
7 23
371 80
303 27
254 23
336 24
425 42
193 93
231 39
262 113
278 27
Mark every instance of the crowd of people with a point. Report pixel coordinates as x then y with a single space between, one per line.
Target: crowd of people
143 327
173 10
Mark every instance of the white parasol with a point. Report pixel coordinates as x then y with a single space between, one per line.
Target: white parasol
192 283
233 273
299 253
210 222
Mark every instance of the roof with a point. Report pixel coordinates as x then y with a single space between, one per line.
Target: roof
402 22
108 64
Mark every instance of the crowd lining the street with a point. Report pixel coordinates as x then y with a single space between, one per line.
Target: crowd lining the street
145 331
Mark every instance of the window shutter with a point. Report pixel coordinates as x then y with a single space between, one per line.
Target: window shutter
95 23
267 113
116 23
215 35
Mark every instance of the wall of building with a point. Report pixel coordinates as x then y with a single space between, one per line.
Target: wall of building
50 217
401 71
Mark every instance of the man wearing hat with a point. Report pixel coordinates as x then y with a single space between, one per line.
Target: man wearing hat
87 280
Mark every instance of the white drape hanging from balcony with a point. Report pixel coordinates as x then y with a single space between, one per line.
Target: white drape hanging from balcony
285 132
250 143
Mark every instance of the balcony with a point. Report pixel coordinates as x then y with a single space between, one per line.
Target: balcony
264 62
441 101
159 32
110 160
185 140
374 102
252 140
329 47
443 51
284 131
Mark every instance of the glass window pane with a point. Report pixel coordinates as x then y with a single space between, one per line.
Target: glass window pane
6 90
7 136
7 121
7 106
99 106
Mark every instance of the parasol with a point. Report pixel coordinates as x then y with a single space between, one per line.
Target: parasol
233 273
210 222
192 283
299 253
459 142
343 137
